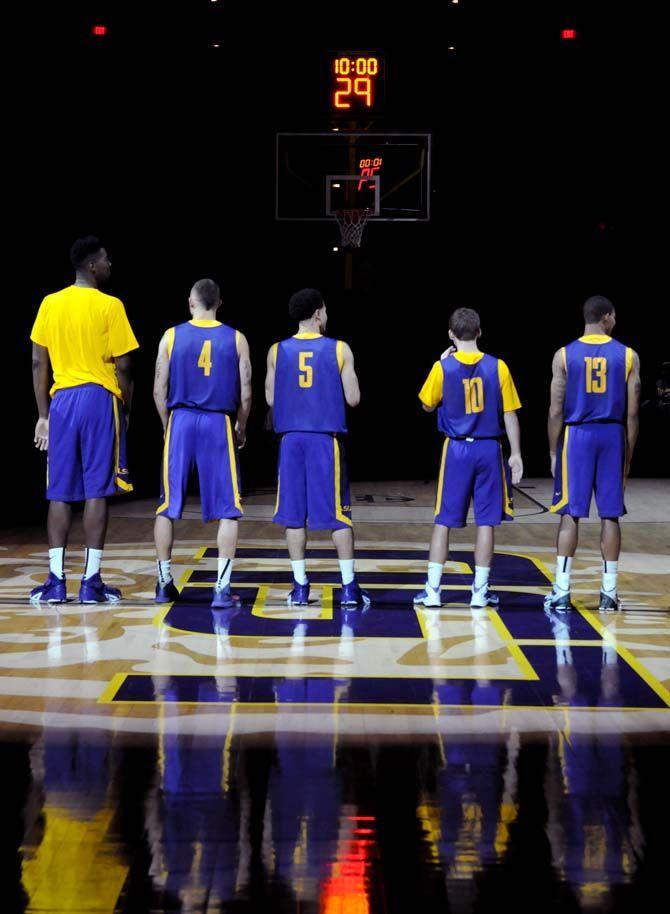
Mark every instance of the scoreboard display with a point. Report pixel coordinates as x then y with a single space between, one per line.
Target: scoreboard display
353 82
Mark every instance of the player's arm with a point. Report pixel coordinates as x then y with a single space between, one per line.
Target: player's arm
270 377
41 366
245 390
513 430
555 421
432 389
352 391
431 392
122 342
124 375
161 379
510 404
632 419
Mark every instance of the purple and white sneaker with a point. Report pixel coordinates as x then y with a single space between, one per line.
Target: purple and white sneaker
352 595
223 598
166 592
94 590
299 595
52 591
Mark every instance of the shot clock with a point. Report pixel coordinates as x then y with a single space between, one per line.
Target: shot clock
353 82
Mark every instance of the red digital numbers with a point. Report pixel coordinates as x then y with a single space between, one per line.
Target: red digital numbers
369 168
354 81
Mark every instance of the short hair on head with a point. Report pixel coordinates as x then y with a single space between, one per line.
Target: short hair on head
82 250
464 324
207 292
596 307
303 304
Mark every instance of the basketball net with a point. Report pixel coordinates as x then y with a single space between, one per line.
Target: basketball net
351 223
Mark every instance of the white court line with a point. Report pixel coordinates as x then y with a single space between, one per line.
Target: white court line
36 687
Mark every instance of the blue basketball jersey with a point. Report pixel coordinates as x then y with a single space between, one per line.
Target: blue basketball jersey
596 368
472 401
308 394
204 367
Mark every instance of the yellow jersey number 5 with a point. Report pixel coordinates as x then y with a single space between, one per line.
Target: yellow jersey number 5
306 376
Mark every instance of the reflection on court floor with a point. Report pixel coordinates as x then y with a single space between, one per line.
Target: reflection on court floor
293 825
315 760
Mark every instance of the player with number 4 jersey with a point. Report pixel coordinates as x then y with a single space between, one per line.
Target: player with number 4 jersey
203 396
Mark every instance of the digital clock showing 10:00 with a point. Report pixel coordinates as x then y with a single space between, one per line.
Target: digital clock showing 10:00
355 81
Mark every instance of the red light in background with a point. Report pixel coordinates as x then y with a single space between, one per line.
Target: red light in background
568 34
346 889
369 168
99 31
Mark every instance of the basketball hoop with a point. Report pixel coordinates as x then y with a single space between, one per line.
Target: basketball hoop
351 223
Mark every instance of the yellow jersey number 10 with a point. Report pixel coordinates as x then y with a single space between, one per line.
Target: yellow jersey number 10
474 395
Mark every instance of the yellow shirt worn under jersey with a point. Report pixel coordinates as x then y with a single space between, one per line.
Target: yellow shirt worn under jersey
84 330
431 392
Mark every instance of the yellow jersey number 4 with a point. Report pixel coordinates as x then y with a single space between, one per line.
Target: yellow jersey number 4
306 376
205 358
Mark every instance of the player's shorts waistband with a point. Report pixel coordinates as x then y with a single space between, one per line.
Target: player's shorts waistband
619 422
88 384
472 438
204 412
296 431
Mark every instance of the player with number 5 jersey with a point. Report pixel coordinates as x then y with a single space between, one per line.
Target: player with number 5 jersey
310 380
203 397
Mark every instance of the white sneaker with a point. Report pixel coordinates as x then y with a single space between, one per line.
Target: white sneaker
428 597
483 597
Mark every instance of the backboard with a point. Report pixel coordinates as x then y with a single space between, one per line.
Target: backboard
318 173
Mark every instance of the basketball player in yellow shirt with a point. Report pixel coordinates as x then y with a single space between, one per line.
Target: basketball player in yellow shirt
83 337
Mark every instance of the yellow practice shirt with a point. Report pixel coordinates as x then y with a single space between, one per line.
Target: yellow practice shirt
431 392
84 330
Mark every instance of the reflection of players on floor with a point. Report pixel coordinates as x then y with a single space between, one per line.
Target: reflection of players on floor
593 805
310 380
83 336
477 404
67 838
203 378
593 427
193 822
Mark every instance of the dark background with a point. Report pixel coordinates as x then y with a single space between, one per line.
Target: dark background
546 189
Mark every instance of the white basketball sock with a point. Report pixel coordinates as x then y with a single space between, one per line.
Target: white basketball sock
481 577
563 569
224 573
610 571
299 572
347 571
434 575
93 560
164 570
56 561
